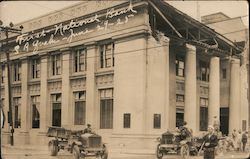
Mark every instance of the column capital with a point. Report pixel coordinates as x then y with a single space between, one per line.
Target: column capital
235 61
190 47
215 58
65 50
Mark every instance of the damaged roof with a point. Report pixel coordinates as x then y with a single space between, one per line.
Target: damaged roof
182 21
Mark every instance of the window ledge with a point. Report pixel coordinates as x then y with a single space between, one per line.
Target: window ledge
34 81
78 75
180 79
54 79
16 83
105 71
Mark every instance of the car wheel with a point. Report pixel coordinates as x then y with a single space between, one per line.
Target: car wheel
76 152
159 154
53 148
184 151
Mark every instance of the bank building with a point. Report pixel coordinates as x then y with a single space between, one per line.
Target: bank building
132 69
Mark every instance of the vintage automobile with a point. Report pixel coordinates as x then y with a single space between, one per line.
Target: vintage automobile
76 142
172 143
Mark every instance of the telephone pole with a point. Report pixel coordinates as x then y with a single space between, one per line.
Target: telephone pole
6 31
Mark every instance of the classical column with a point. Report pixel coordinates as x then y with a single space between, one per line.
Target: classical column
65 86
190 110
91 86
214 90
25 106
234 100
44 105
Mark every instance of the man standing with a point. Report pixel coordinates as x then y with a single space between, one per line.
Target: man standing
210 142
244 140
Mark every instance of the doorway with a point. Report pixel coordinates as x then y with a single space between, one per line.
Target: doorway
224 120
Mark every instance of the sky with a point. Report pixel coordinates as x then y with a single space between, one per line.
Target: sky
20 11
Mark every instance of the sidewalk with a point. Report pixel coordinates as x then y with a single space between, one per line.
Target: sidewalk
117 153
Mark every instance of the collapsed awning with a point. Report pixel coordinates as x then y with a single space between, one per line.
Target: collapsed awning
178 25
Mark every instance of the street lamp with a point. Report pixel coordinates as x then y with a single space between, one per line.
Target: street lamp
7 30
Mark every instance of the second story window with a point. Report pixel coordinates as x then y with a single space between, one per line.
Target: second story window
56 64
180 66
204 71
224 73
107 55
2 73
80 60
17 71
35 68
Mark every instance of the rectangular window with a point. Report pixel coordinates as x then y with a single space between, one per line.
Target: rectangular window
224 73
107 55
80 108
157 121
56 109
179 98
126 120
17 112
204 71
80 60
35 68
56 64
203 114
2 73
106 108
35 106
17 71
2 106
180 66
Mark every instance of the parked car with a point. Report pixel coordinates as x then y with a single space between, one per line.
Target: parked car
76 142
172 143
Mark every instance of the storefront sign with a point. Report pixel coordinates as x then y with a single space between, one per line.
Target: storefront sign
68 31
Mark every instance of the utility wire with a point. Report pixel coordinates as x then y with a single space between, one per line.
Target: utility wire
115 53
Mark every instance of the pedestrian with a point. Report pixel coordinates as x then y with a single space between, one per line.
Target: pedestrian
234 139
239 137
244 141
210 142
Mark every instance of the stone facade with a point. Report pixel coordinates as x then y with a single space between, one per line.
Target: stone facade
110 67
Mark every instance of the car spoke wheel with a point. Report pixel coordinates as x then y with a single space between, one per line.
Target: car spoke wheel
76 152
184 151
53 148
159 154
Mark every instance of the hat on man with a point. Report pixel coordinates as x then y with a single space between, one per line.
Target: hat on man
88 125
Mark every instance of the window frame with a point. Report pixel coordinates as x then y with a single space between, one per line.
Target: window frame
106 104
104 56
56 64
35 68
224 73
204 76
16 71
77 101
77 57
157 121
180 61
35 101
203 118
127 120
17 118
3 73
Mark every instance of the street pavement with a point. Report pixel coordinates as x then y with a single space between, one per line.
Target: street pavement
37 152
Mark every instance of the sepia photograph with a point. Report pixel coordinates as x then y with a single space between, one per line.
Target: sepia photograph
124 79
